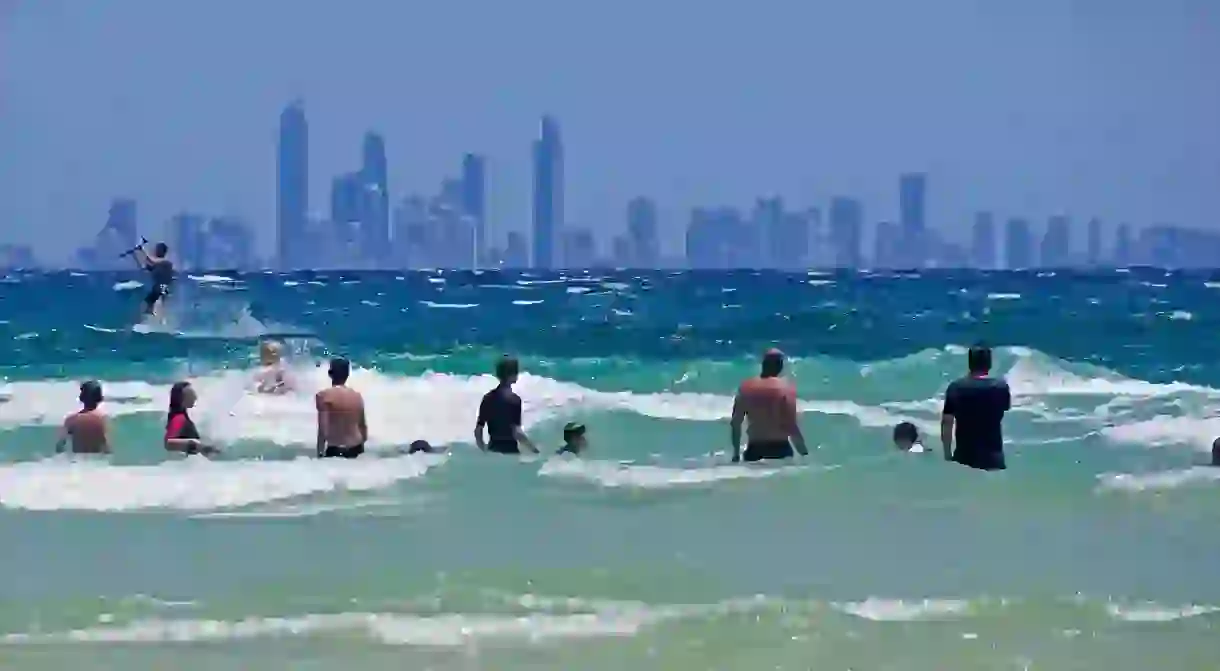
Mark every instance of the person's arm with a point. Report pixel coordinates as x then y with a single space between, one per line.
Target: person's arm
946 422
739 416
322 425
142 258
519 432
364 425
105 436
479 423
1007 398
794 426
61 438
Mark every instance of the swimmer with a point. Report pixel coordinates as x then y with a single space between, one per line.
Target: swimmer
973 415
161 270
768 403
574 439
180 432
87 427
271 377
423 446
906 439
342 427
500 412
1216 452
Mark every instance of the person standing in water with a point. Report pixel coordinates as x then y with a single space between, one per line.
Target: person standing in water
271 377
500 412
181 435
342 427
768 404
86 428
974 415
161 270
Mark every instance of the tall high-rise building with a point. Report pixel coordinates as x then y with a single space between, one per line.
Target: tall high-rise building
474 200
644 248
1093 251
292 189
912 197
983 241
1122 246
1057 243
1018 245
846 222
548 193
188 240
375 213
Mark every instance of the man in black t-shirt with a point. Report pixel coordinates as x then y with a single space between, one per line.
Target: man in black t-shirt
500 412
974 415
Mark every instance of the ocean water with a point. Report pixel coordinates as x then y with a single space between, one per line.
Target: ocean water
1096 550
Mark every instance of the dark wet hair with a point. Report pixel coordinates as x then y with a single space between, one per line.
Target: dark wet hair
419 446
161 249
573 430
906 431
91 393
177 401
507 368
1216 452
772 362
979 359
340 369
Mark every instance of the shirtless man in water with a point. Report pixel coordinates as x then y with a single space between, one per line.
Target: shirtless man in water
342 429
86 428
768 404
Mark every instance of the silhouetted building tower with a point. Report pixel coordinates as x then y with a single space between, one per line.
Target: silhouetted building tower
1057 243
375 219
983 241
644 248
1018 245
1122 246
548 193
188 239
912 195
292 189
1093 251
474 200
846 221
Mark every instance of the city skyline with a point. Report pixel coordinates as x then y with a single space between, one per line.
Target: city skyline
1111 115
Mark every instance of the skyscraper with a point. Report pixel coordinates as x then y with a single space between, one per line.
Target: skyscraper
846 221
292 188
644 249
548 193
1122 246
983 241
1093 254
375 210
474 200
1057 243
912 194
1018 245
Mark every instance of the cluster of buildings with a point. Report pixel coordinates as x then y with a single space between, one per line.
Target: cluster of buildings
364 228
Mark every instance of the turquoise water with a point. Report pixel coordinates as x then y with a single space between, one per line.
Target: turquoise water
1096 550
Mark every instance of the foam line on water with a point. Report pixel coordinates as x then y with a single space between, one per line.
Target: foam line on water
194 484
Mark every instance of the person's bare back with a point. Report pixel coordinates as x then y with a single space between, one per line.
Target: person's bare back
767 405
342 428
87 430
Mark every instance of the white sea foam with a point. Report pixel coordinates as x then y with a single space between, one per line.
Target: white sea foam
129 285
613 474
1151 612
890 610
1160 480
195 483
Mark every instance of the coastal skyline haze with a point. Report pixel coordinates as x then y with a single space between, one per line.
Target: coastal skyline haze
1088 108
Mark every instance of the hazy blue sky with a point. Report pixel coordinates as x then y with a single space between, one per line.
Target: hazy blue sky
1107 107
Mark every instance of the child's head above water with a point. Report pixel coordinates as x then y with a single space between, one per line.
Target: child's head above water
1216 452
574 437
906 436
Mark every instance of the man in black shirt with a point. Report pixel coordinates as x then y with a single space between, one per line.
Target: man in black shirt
500 412
974 414
162 271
